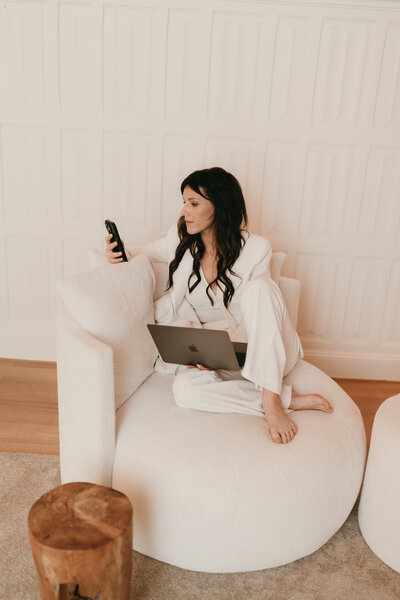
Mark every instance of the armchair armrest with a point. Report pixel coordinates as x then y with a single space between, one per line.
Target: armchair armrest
86 404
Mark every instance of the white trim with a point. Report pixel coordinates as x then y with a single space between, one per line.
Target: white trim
335 364
357 366
386 5
28 346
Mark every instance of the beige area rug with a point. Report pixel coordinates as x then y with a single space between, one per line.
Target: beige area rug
344 568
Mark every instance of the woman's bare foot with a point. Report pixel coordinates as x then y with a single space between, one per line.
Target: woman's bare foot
281 429
310 401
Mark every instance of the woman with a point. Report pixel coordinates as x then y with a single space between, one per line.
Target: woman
219 277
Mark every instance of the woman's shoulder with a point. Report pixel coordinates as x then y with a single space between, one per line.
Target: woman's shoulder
255 255
255 242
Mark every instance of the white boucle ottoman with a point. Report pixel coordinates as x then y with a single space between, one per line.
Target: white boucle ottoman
379 509
212 492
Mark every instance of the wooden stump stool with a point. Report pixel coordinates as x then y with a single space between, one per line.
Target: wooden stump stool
81 540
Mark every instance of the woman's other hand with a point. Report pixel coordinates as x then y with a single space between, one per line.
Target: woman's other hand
112 257
201 368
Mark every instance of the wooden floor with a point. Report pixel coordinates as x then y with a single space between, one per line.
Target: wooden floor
28 404
28 407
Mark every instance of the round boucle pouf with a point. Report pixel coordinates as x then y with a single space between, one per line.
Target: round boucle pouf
378 512
212 492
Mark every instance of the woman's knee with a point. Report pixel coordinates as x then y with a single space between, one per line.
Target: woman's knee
262 298
262 289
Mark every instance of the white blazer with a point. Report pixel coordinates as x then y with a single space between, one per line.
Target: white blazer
173 309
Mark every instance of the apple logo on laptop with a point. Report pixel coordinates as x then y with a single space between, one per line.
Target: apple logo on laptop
192 348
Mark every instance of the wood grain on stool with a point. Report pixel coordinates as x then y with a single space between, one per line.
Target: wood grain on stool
81 540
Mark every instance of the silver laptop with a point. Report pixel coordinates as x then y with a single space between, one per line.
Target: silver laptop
191 346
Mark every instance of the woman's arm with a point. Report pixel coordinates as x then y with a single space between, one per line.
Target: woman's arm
162 250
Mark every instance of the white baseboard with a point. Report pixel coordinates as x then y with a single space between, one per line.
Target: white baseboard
28 346
347 365
356 366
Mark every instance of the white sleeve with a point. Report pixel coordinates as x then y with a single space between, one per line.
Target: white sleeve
162 250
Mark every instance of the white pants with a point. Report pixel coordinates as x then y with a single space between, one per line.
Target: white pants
273 348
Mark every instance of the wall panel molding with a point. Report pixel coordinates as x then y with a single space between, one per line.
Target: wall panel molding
106 105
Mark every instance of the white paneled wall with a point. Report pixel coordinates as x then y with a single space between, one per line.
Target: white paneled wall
105 106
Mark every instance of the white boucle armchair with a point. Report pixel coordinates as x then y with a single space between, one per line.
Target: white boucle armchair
210 492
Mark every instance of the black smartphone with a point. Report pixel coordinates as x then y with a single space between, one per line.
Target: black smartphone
112 228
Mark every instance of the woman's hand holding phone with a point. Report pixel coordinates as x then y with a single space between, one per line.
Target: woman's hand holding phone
115 250
112 257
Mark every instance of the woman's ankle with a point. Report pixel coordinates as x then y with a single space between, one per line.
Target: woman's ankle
270 400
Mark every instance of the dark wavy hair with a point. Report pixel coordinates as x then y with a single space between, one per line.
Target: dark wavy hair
230 220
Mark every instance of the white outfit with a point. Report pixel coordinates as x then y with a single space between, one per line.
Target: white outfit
256 314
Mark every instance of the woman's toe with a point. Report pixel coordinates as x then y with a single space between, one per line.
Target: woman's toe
276 437
324 402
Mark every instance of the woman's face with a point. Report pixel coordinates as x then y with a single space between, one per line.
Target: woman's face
197 211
